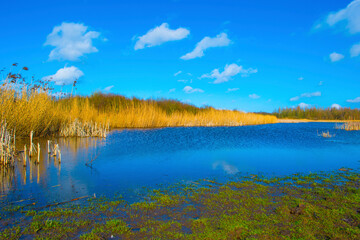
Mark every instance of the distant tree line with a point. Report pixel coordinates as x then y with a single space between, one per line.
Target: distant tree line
315 113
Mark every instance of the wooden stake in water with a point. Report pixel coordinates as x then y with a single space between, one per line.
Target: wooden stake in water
24 159
38 150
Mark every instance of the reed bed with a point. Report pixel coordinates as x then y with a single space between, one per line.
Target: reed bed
349 126
29 110
123 112
7 145
84 129
33 107
37 111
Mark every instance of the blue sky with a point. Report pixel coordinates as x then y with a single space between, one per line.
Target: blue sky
247 55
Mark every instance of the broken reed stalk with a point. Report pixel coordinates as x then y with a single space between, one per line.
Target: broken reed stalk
7 148
14 144
38 152
55 150
48 146
24 156
325 134
31 144
77 128
59 152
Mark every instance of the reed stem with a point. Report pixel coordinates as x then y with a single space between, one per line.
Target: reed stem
38 152
24 156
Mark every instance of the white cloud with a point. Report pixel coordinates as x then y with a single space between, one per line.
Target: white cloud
295 98
300 78
306 95
189 89
356 100
107 89
334 57
355 50
336 106
71 41
220 40
65 76
313 94
232 89
350 14
254 96
229 71
172 90
177 73
160 35
321 83
183 80
304 105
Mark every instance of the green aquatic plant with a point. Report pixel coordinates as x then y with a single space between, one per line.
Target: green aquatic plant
313 206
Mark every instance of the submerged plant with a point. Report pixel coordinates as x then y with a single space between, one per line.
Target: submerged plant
326 134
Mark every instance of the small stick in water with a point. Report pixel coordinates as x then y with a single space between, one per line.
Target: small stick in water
59 155
38 150
31 144
48 145
24 159
55 150
14 142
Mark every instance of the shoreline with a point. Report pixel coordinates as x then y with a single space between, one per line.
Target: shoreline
291 120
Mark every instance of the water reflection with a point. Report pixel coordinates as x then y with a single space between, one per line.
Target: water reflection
7 176
129 160
228 168
36 176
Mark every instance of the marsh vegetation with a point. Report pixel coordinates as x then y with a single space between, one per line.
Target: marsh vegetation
349 126
313 206
32 107
317 113
75 197
36 107
326 134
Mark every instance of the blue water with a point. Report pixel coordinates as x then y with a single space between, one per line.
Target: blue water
130 160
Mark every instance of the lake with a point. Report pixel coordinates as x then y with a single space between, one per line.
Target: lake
130 161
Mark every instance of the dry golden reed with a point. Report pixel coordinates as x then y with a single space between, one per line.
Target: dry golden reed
37 111
135 113
28 108
28 111
349 126
7 145
84 129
